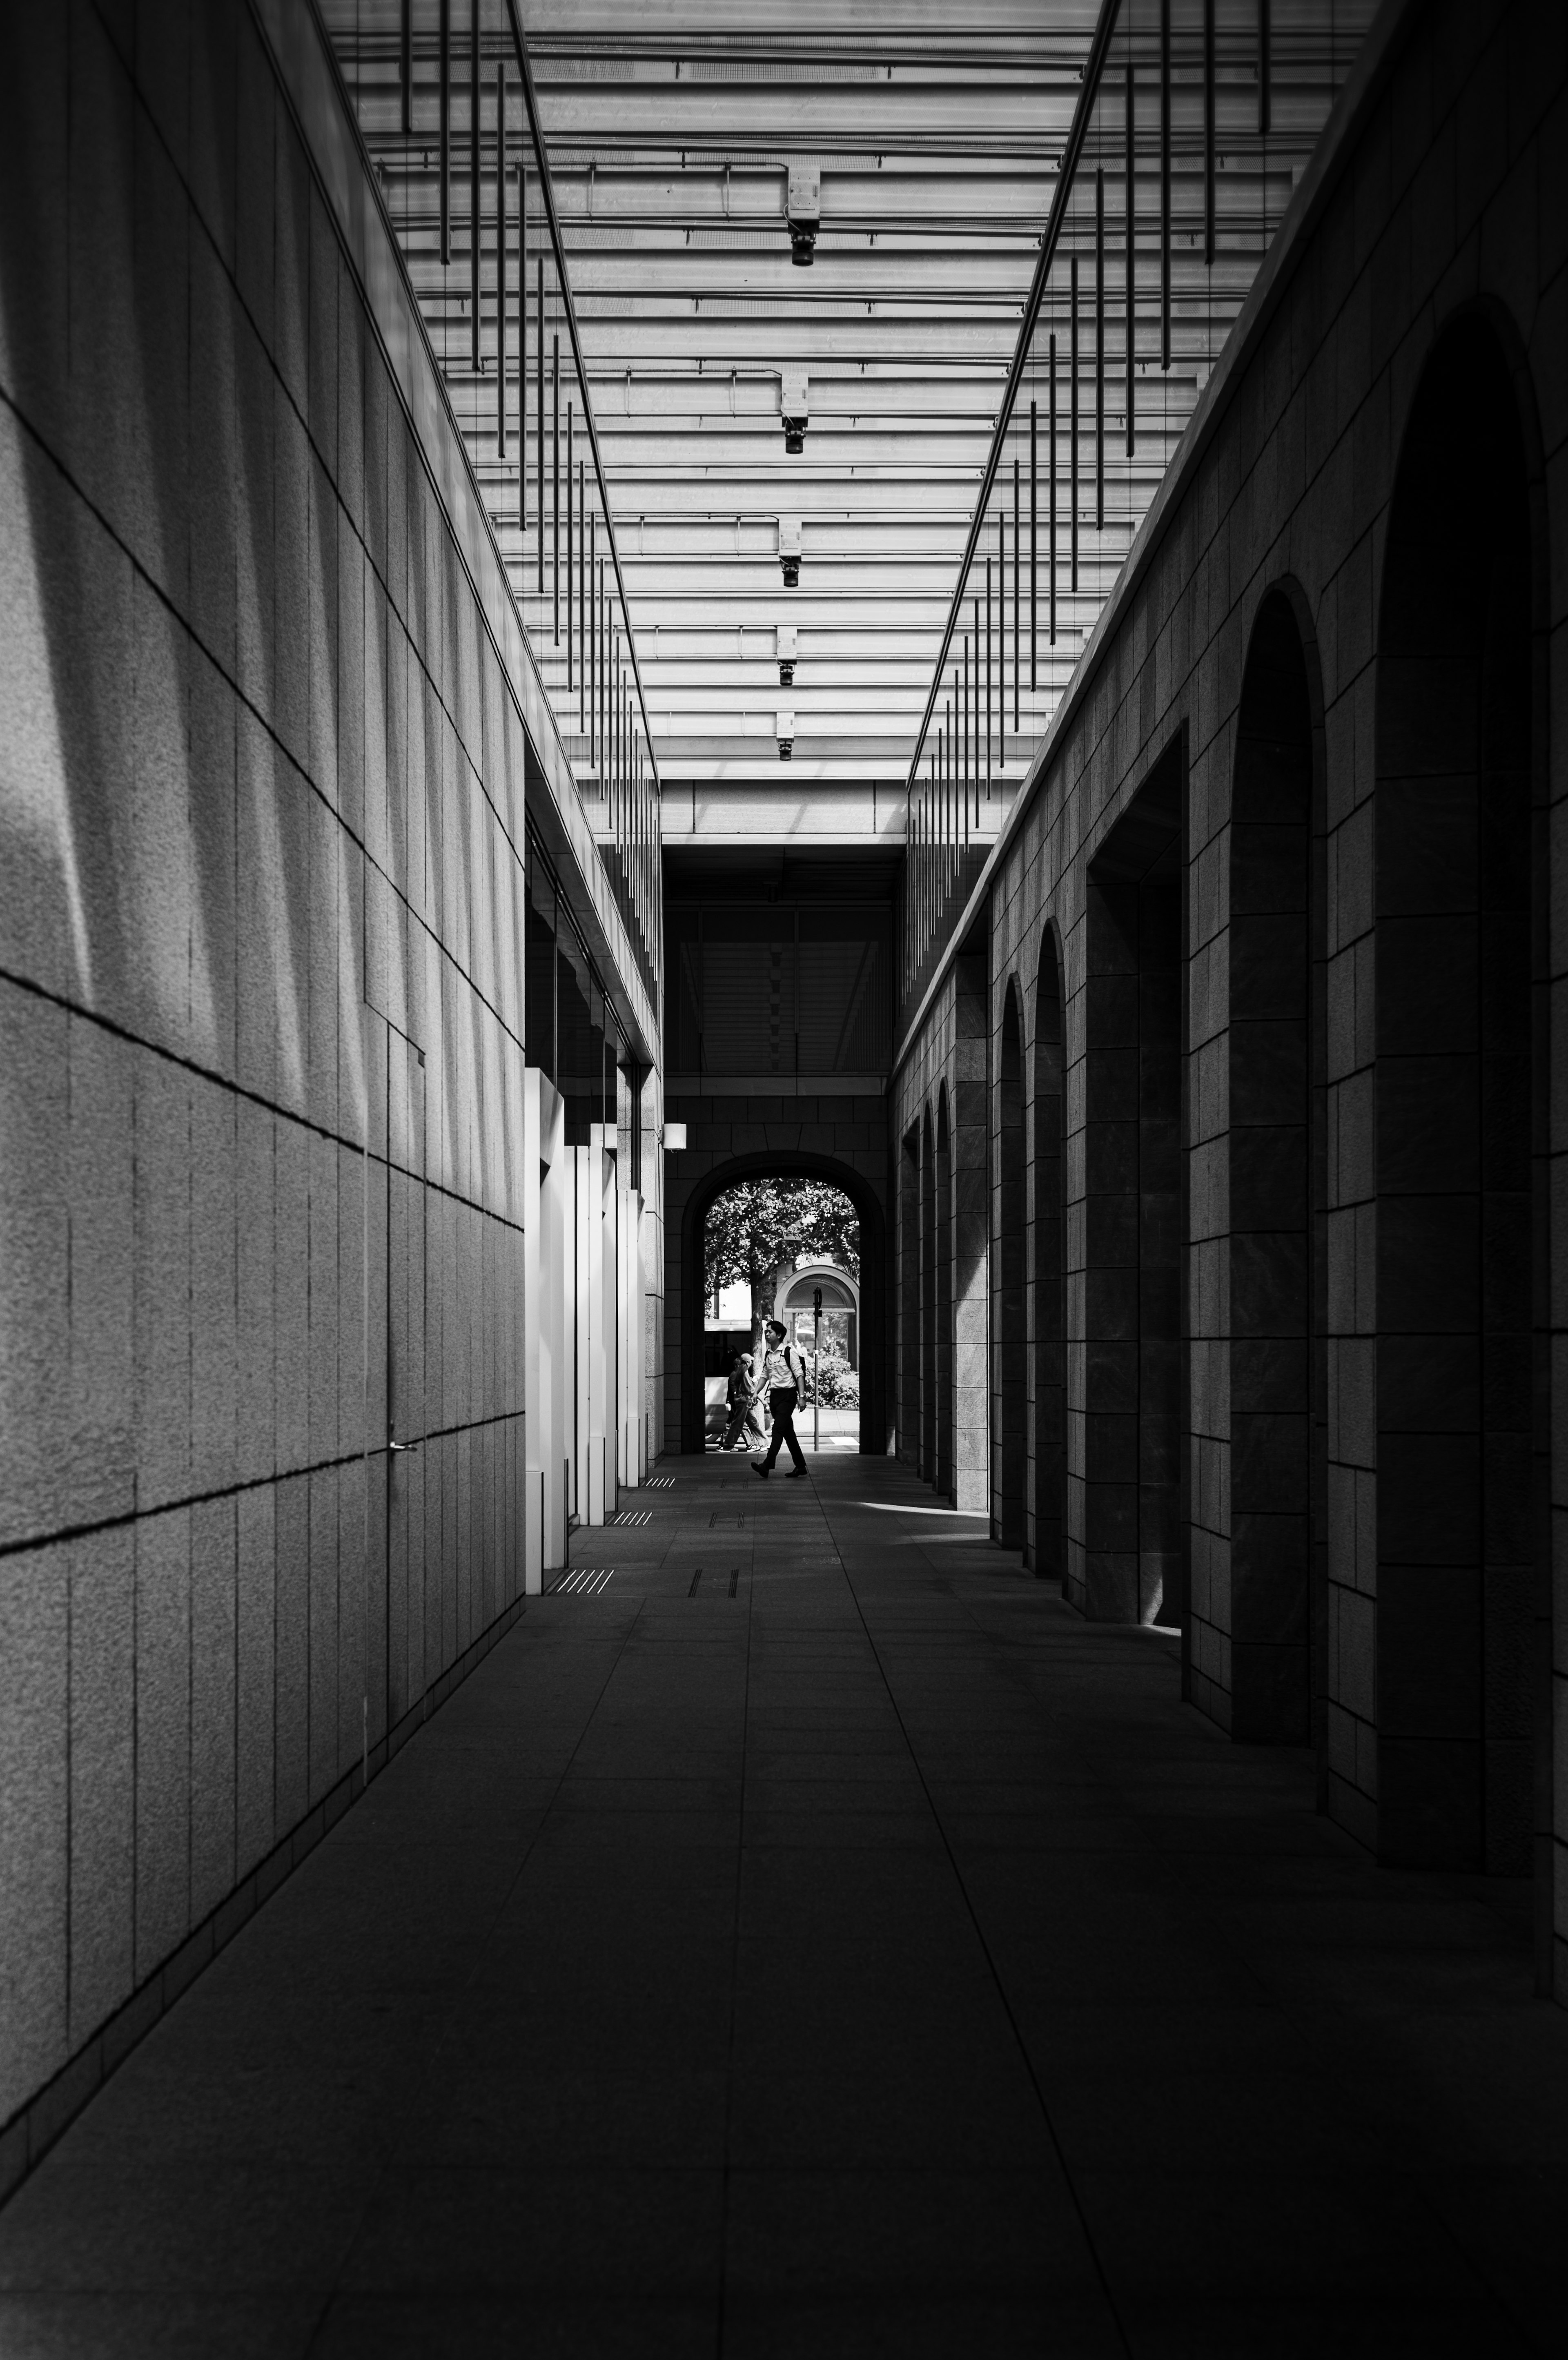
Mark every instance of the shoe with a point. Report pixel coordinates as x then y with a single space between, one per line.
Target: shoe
758 1468
795 1475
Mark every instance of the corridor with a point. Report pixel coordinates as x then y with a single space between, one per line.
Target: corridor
845 1948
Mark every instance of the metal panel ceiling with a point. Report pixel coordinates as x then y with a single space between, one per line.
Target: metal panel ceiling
670 132
937 131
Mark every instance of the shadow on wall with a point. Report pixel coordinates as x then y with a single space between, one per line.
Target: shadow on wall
1045 1540
1129 1565
1256 1550
1460 1130
1009 1362
253 1008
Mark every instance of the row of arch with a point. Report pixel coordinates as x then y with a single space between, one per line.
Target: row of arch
1271 1366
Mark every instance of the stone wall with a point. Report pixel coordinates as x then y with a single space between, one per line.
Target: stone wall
1437 205
261 809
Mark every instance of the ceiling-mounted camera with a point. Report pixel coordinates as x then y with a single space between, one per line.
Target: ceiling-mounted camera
803 211
796 406
785 725
790 550
788 636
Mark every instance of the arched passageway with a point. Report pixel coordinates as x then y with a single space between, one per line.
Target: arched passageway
784 1165
1009 1365
1046 1546
1275 960
1129 1527
1454 1099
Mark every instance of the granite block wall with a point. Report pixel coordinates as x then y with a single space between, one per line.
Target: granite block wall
911 1370
946 1272
929 1260
1434 208
1045 1498
1007 1227
970 1066
260 1021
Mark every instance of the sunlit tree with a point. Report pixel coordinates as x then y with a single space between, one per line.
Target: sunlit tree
757 1229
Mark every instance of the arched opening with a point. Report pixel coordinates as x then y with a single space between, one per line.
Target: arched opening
786 1248
782 1164
1128 1531
910 1298
1260 1685
928 1299
795 1303
945 1256
1454 1093
1047 1549
1009 1367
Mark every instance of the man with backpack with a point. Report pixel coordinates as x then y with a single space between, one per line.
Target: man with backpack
786 1383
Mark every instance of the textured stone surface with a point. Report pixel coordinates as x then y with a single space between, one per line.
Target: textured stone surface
192 549
1015 2011
1443 201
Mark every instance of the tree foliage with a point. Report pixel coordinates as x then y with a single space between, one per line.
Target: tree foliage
759 1226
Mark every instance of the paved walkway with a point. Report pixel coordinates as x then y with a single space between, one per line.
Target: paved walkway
848 1951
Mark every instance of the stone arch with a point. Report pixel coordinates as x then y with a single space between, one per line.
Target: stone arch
788 1163
1256 1550
908 1338
839 1292
1009 1349
1453 1159
945 1250
1129 1515
1047 1547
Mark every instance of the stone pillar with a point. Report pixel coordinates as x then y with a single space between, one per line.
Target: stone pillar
972 1230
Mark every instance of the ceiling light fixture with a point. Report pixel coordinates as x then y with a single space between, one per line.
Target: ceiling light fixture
795 405
804 211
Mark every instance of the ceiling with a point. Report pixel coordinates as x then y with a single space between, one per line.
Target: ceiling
673 128
670 133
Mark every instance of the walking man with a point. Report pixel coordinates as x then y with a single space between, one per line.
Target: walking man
785 1380
743 1417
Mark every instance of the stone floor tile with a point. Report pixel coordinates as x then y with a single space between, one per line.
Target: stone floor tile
1306 2329
879 1958
575 2234
125 2326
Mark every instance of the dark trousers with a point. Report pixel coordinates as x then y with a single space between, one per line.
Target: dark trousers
782 1405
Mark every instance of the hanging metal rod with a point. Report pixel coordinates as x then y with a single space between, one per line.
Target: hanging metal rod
569 308
1099 48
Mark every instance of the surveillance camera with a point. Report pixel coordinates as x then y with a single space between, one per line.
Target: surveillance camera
786 655
803 211
796 408
790 550
785 725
